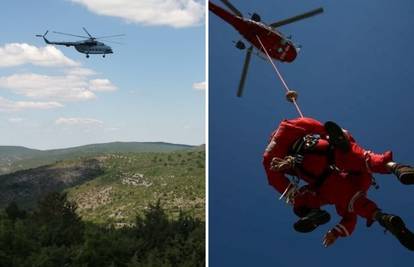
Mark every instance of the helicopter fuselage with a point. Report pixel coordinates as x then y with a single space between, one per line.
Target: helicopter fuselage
86 47
98 48
277 46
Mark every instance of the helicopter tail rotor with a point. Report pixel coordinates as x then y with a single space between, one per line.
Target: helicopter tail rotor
44 35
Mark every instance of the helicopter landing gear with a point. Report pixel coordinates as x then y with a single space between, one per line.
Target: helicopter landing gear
256 17
240 45
87 55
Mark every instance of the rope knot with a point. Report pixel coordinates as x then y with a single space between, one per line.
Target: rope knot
291 96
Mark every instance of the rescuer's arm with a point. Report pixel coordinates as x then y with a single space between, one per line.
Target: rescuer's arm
343 229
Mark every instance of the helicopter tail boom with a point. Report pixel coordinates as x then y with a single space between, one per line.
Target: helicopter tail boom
224 14
55 43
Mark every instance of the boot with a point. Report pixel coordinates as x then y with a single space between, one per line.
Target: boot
396 226
337 137
404 173
312 220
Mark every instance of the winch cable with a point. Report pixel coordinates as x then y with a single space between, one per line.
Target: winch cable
280 77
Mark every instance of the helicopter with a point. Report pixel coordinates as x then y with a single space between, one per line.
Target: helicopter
88 46
260 35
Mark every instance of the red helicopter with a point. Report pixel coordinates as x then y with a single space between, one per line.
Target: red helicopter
260 35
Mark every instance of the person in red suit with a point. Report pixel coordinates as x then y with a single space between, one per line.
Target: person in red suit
337 171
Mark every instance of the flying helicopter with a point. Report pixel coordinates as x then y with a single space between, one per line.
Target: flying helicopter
88 46
260 35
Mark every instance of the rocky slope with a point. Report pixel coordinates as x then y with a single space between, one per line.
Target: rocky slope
115 187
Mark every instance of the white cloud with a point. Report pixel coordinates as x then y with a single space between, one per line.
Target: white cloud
46 91
101 85
175 13
78 122
63 88
16 54
59 88
199 86
9 105
112 129
80 72
15 120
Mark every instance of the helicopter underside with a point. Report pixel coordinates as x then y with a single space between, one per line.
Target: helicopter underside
98 50
277 46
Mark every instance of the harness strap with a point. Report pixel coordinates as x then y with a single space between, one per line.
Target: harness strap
306 145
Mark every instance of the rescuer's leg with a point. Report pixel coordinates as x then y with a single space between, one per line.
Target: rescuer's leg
384 163
397 227
307 205
311 221
404 173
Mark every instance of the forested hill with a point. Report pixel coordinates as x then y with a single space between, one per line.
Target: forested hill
54 235
104 205
114 187
13 158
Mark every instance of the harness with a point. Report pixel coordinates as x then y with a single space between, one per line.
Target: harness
307 145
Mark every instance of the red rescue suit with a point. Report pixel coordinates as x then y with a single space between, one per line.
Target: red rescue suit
344 187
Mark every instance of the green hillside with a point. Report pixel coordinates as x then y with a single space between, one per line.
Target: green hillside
14 158
115 187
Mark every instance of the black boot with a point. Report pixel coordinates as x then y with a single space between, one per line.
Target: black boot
337 137
404 173
312 220
396 226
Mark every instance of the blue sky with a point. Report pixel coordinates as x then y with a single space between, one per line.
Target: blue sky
145 91
356 68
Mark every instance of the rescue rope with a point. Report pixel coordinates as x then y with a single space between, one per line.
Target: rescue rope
280 77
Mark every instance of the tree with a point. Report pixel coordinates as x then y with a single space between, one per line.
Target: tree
58 218
13 211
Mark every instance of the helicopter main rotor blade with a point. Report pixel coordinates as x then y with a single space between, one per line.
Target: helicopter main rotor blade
232 8
71 34
113 42
298 17
110 36
244 72
87 32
